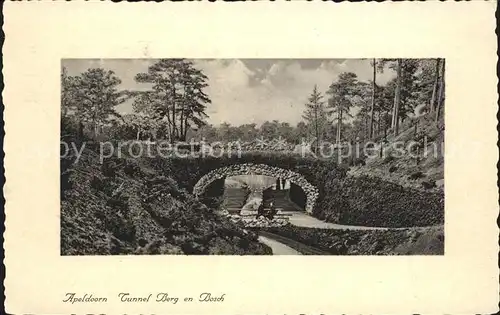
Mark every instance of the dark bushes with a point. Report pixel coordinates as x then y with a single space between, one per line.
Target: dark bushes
361 200
371 201
416 175
428 184
122 207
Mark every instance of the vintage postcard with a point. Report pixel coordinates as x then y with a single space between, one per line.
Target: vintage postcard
200 159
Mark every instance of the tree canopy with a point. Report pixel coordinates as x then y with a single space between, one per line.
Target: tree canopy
174 107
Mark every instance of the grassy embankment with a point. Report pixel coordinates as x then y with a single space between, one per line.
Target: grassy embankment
124 207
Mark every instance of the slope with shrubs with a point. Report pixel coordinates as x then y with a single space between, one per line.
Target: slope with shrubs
119 207
350 200
371 201
420 166
395 190
412 241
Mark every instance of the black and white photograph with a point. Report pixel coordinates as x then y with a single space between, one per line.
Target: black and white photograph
252 156
290 157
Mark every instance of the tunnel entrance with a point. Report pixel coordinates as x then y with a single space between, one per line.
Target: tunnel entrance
264 183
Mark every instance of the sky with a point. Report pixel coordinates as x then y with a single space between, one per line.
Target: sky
247 90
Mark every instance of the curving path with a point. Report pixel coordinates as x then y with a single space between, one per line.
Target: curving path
305 220
299 217
277 247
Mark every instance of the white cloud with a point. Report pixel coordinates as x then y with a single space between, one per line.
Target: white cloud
280 94
240 94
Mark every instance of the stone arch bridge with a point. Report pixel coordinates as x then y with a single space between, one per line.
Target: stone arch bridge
310 191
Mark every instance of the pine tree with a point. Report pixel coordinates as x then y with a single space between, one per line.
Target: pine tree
315 115
92 97
341 98
177 95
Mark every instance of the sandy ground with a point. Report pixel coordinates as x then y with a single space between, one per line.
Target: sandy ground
305 220
277 247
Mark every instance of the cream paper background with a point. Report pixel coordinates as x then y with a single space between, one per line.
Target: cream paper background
39 34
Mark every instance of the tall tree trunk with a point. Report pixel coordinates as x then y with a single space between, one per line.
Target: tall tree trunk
184 131
181 120
170 128
175 131
393 111
379 118
339 126
92 124
370 135
316 125
169 133
184 116
441 95
339 118
95 127
367 127
397 100
80 129
435 87
386 125
169 124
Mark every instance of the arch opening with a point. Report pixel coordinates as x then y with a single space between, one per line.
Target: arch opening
284 180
